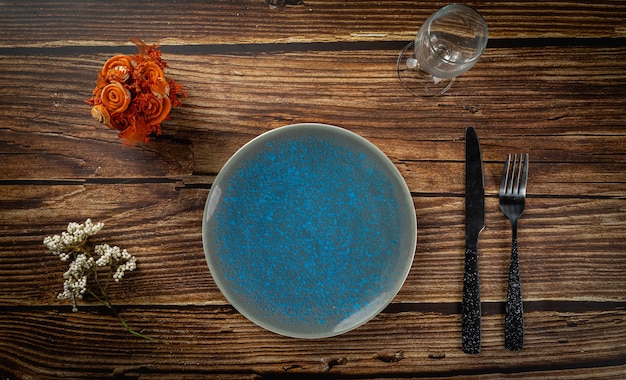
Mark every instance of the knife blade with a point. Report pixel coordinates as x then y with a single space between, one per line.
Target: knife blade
474 224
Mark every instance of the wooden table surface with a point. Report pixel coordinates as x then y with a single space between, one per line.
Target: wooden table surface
552 82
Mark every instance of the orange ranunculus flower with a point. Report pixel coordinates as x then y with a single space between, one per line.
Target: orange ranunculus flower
154 77
100 113
118 68
115 97
119 121
156 109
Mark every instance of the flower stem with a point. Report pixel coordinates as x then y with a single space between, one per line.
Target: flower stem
104 300
130 330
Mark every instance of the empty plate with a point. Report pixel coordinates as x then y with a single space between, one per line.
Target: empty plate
309 230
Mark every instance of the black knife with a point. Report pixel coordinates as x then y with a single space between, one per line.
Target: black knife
474 223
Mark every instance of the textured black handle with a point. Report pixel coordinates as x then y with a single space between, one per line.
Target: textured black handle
514 314
470 334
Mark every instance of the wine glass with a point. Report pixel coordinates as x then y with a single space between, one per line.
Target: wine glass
448 44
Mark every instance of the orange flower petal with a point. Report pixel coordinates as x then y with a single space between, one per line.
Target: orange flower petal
160 87
159 109
115 97
116 66
153 76
150 71
119 121
142 47
137 132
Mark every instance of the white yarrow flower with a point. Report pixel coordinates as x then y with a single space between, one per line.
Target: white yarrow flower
86 259
128 265
87 263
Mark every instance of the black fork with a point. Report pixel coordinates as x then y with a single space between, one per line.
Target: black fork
512 199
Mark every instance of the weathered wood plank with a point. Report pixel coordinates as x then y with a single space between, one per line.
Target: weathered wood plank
204 341
161 224
427 167
347 87
550 113
84 23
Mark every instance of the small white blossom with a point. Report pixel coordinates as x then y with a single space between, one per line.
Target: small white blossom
119 259
72 244
75 236
129 265
104 251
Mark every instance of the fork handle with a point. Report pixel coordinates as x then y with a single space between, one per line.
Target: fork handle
514 312
470 312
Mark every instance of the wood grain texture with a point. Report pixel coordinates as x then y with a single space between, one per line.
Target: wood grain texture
61 23
552 83
550 112
204 341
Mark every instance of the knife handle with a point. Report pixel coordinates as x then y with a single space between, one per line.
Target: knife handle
470 311
514 312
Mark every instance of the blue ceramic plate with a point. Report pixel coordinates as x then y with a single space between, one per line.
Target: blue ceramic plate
309 230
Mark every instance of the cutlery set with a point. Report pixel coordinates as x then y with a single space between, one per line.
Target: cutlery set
512 196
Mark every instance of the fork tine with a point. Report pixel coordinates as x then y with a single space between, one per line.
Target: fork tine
522 189
518 174
505 174
513 177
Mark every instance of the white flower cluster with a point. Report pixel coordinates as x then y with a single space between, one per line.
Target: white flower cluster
87 259
77 234
119 259
75 284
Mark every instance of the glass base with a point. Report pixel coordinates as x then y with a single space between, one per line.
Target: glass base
416 81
